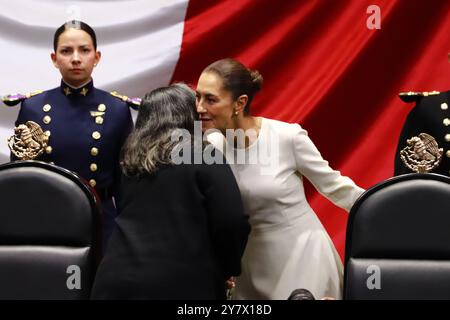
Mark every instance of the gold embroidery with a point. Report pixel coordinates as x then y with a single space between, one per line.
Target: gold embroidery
28 142
422 154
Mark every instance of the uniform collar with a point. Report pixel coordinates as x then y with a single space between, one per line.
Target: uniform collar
82 91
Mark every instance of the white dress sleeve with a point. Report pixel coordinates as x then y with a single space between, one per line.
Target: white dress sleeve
340 190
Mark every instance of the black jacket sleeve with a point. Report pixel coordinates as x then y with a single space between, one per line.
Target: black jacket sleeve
229 227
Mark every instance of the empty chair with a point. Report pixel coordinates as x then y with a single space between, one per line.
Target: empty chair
49 239
398 240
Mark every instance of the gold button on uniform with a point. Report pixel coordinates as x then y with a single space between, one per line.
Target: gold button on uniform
47 108
93 167
98 120
444 106
447 137
96 135
48 149
48 133
93 183
101 107
448 153
94 151
446 122
47 119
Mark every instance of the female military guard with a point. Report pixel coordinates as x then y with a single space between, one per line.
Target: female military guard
75 126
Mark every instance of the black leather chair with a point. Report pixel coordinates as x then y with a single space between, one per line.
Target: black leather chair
398 240
49 239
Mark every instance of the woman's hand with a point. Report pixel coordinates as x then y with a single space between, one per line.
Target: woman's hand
230 283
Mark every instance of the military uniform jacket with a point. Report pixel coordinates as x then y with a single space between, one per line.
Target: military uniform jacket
87 128
430 115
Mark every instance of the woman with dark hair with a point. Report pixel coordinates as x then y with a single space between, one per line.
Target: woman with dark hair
75 125
288 247
181 229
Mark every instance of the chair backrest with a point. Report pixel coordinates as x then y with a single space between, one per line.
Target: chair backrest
398 240
49 241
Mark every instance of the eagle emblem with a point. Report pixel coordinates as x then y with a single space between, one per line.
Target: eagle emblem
28 142
422 153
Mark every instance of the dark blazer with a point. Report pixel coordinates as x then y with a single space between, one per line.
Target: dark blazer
180 234
430 115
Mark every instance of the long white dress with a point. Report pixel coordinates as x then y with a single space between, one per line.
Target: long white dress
288 247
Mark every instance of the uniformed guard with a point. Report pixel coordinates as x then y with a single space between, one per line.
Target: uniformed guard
424 144
75 126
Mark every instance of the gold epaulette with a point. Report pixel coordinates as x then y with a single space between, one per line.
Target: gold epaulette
13 99
414 96
132 102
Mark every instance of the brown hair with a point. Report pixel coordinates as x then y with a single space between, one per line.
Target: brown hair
237 79
162 111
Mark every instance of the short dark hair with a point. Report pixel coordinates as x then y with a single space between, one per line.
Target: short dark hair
161 111
74 24
237 78
301 294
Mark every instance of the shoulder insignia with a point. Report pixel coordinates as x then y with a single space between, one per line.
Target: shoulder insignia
12 99
132 102
414 96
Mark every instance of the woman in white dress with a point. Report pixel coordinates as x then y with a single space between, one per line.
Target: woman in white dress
288 247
